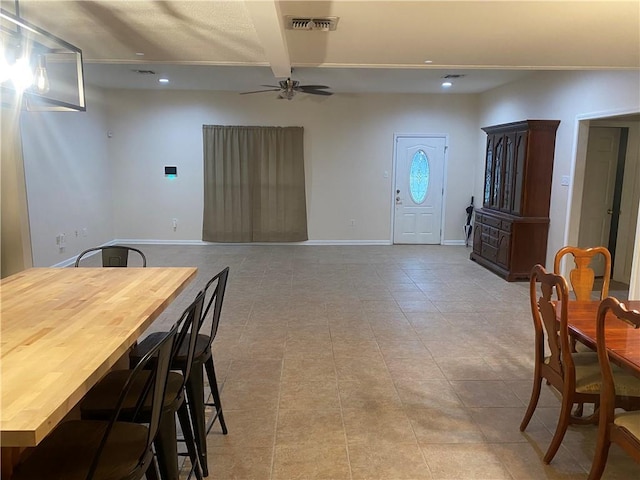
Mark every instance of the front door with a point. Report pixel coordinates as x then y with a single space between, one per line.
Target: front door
418 189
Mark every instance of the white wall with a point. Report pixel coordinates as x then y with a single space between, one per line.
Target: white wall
68 176
563 96
348 147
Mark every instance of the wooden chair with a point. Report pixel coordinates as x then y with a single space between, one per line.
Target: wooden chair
113 255
107 450
576 375
202 362
582 278
100 401
621 428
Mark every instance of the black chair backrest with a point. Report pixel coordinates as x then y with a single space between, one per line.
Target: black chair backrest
113 255
157 361
216 288
188 332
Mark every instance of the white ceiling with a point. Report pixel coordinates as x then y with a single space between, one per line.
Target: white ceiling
379 45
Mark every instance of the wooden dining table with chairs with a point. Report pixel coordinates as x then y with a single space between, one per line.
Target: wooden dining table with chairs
622 340
62 330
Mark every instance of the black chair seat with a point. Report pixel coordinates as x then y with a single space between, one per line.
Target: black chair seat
101 399
140 350
67 453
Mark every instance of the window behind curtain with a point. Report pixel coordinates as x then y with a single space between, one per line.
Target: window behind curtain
254 184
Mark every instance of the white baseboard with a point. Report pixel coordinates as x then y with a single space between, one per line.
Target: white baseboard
453 242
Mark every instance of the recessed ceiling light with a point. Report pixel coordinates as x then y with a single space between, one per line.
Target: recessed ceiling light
446 84
428 61
140 54
163 80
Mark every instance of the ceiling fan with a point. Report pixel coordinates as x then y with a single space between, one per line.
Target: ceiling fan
288 89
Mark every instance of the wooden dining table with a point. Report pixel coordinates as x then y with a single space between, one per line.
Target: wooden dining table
62 329
622 340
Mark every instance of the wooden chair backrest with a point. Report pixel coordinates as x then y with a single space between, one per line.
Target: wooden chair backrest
551 289
632 317
582 277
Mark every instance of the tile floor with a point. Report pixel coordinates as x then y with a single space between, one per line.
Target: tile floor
376 362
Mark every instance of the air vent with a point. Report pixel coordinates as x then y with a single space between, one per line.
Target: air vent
144 72
453 75
324 24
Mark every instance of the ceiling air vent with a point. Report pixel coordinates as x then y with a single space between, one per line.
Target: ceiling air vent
144 72
324 24
453 75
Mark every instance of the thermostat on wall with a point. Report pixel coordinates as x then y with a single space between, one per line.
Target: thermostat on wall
171 172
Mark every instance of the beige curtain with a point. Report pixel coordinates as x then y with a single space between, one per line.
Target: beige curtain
254 184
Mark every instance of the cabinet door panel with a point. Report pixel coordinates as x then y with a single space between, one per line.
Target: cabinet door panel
488 172
498 172
504 250
520 153
506 201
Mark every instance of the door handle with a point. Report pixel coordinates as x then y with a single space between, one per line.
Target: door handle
610 211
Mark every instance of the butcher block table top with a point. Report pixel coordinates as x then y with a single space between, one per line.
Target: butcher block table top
62 329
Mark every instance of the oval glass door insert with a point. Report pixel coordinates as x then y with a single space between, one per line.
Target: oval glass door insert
419 177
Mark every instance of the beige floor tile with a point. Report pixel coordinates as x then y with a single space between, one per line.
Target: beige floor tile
362 369
414 370
369 393
238 462
502 425
488 393
316 427
465 462
306 368
386 425
250 428
306 395
252 370
247 395
444 426
427 394
467 368
524 462
311 462
382 462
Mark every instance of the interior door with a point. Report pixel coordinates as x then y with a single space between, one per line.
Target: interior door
599 185
418 189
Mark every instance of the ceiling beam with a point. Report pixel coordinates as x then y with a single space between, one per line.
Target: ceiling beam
269 26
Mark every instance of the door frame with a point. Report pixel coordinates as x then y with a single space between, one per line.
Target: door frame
576 174
394 167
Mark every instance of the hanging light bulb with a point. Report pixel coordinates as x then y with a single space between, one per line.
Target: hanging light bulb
41 76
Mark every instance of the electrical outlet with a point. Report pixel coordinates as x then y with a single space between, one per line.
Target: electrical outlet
352 222
175 224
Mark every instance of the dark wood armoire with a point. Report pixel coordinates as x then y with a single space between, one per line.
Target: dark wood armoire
510 230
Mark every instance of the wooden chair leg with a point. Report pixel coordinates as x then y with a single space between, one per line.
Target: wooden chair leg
533 402
561 429
600 457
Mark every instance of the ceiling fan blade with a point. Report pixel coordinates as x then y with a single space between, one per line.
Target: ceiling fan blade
260 91
270 86
317 92
312 87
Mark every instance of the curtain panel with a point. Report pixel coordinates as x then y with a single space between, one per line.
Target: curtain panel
254 185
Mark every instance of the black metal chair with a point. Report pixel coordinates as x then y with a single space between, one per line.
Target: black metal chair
202 361
113 449
113 255
99 402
